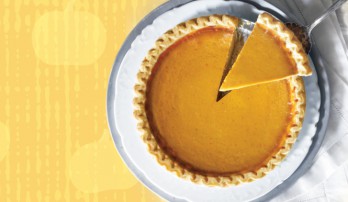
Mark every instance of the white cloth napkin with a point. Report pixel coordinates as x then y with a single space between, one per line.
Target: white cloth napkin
327 179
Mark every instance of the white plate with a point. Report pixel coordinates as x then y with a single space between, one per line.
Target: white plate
136 149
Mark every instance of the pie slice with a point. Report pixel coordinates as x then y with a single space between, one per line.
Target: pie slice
236 140
272 52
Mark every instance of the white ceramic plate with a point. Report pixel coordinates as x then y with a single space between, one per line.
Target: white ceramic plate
136 149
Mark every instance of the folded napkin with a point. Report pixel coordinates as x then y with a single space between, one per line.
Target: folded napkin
327 179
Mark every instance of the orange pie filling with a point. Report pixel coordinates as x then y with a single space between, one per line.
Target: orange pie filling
236 135
271 53
276 64
244 135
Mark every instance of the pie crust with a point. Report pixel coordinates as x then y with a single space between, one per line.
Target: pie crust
295 83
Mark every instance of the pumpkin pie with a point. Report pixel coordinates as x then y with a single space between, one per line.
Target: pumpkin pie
236 140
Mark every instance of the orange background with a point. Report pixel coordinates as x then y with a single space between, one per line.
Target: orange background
55 61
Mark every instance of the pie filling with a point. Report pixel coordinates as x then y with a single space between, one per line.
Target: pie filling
262 59
248 132
236 135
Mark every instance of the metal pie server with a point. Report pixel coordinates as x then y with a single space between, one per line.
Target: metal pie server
242 32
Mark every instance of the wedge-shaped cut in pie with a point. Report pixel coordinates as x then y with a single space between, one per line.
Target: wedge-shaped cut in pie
271 53
236 140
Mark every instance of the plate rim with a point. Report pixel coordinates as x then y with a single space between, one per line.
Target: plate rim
322 83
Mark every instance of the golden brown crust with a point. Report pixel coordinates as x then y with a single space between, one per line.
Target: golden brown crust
296 51
296 85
